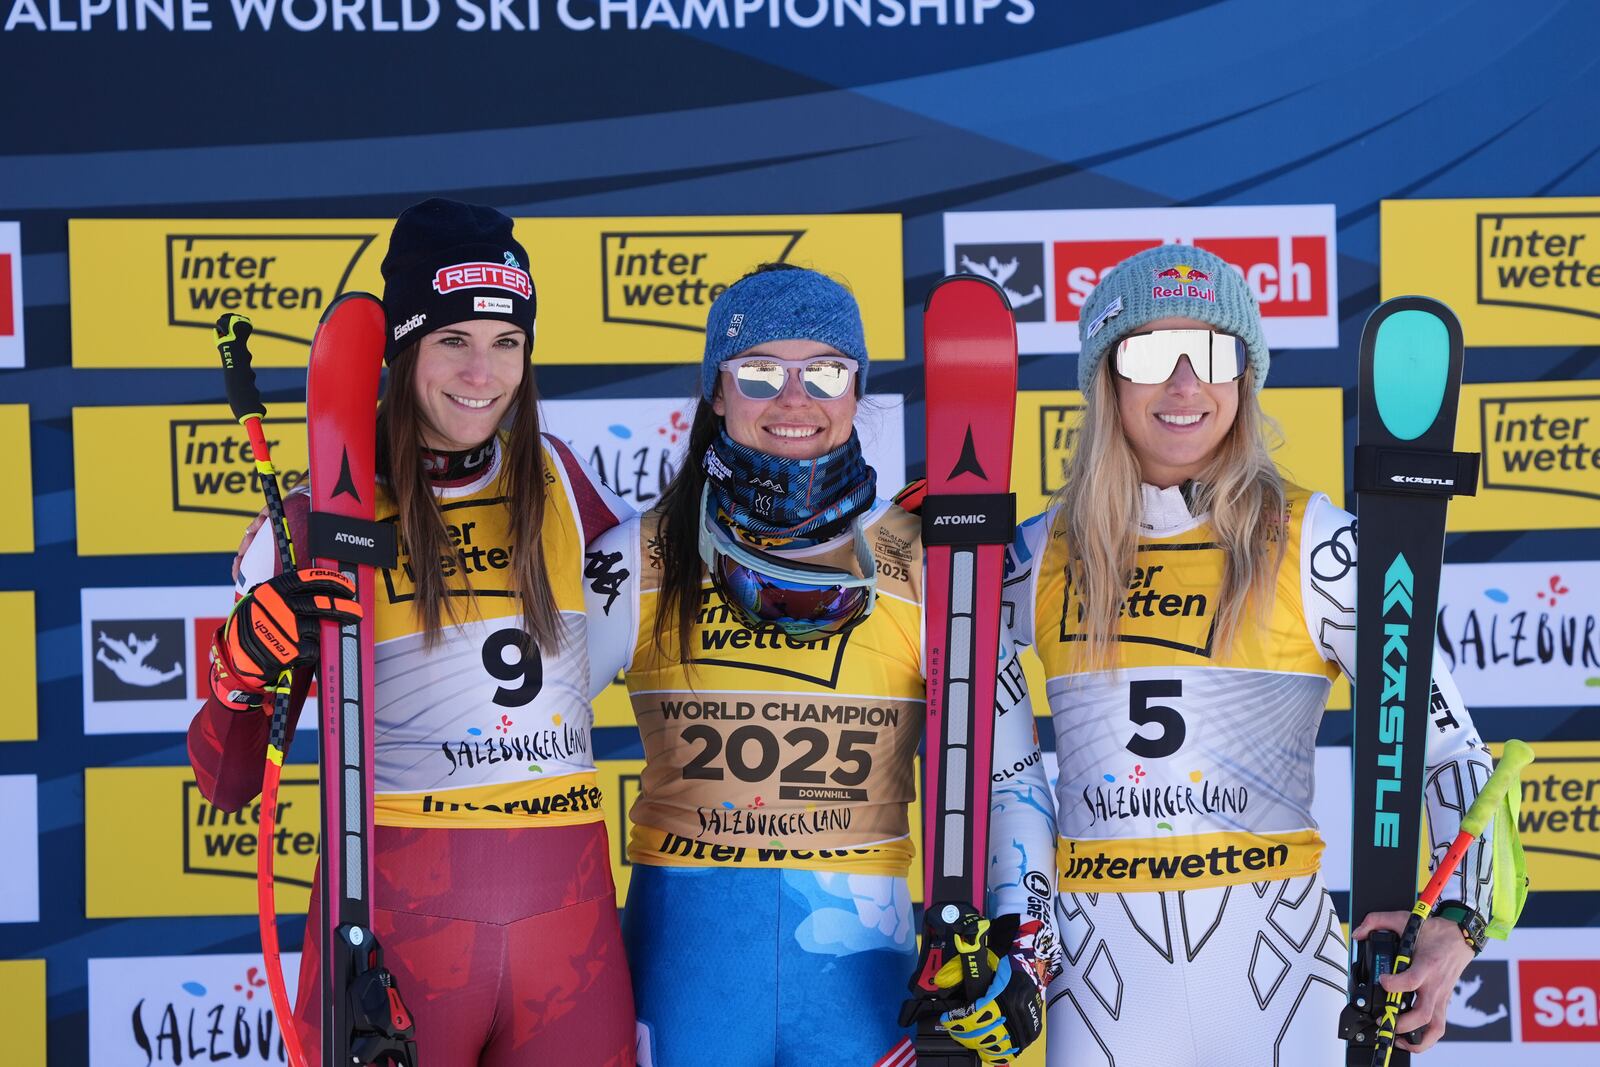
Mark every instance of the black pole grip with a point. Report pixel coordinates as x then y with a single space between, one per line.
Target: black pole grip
233 336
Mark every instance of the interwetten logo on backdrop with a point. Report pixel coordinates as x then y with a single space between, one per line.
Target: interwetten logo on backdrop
669 278
1542 444
213 465
193 858
1560 816
175 1010
197 498
1541 455
1517 272
282 281
1049 261
1545 260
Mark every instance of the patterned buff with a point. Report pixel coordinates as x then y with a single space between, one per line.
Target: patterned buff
770 500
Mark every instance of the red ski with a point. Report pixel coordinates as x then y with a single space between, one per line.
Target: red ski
363 1019
968 516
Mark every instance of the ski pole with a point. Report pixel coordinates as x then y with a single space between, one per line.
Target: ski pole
1516 756
233 334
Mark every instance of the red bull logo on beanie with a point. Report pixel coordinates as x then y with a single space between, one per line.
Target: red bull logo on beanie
1182 281
483 276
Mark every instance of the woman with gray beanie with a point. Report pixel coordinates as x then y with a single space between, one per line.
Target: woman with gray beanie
774 621
1192 610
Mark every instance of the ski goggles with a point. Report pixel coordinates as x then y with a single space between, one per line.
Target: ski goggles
1150 358
804 601
763 377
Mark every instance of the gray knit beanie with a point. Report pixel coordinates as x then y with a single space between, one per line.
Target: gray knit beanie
782 305
1168 281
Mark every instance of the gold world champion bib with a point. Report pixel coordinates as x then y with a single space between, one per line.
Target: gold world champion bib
766 751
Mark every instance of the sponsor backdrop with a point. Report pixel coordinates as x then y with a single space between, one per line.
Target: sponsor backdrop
651 152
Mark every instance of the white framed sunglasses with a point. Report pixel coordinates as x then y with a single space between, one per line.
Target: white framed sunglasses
762 377
1150 358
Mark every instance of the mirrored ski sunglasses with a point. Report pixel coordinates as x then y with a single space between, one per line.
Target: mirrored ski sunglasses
802 600
762 377
1150 358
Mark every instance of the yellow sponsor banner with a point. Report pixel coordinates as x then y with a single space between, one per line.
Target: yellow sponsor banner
194 487
1516 271
191 858
22 1010
1540 443
1560 816
16 490
145 292
1312 454
19 712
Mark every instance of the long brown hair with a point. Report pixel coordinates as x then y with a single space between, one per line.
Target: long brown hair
678 537
1240 488
424 534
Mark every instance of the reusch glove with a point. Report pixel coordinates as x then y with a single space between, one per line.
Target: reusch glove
274 627
1010 1015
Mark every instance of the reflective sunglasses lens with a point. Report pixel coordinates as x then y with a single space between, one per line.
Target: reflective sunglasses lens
826 379
760 380
1146 359
1227 358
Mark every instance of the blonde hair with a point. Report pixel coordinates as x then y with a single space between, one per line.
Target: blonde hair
1100 506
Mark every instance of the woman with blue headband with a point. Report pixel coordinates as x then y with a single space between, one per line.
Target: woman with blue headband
1192 610
774 614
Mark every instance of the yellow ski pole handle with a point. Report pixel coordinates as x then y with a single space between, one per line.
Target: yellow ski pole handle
1513 758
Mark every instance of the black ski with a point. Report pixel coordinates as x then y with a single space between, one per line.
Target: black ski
1406 471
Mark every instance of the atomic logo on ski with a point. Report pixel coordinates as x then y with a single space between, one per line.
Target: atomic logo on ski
968 463
346 485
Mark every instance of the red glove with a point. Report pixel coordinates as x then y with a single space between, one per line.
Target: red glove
275 627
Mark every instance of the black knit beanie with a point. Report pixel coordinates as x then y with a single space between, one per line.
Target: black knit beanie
449 262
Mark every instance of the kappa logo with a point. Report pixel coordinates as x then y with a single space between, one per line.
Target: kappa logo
252 273
511 279
1549 261
214 471
669 278
605 575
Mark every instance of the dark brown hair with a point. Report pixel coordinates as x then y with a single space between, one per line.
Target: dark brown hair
424 534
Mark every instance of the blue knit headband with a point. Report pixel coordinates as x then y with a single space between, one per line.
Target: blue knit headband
782 305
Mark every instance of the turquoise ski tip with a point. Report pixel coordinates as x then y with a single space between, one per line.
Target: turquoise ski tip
1410 364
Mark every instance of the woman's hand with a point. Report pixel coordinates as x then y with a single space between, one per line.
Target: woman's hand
1441 955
